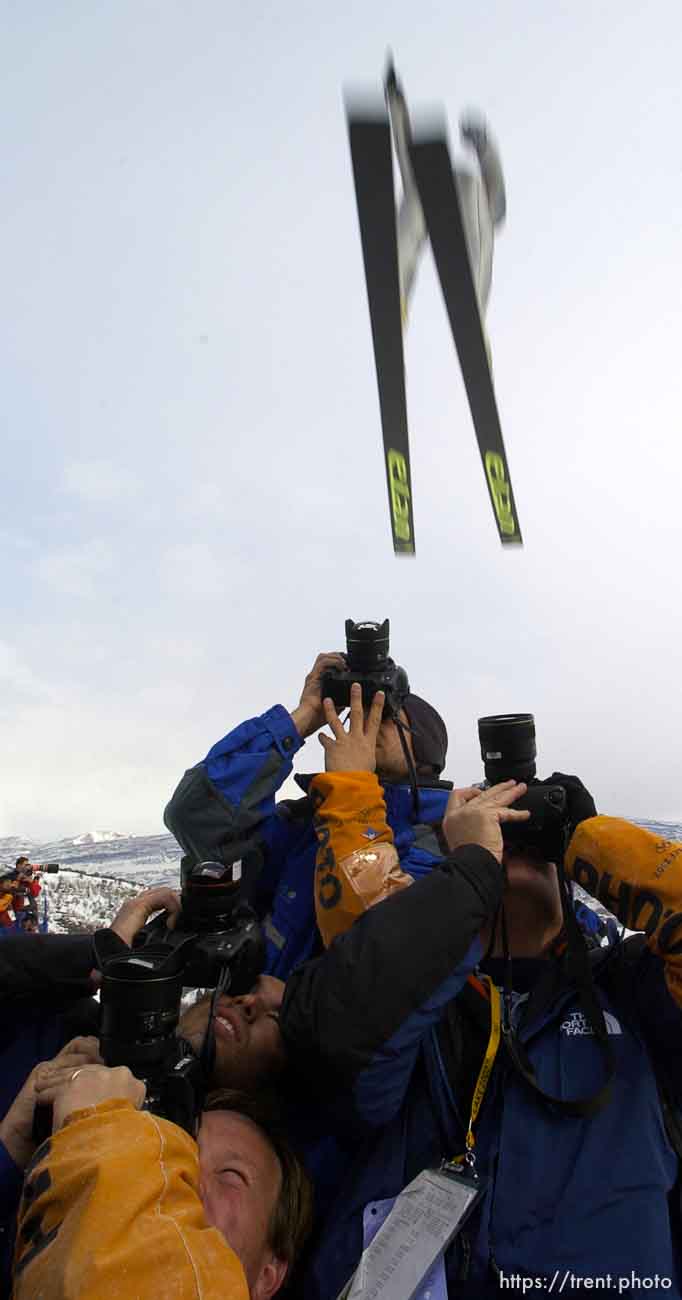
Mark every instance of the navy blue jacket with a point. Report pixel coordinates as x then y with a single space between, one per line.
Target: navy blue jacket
587 1196
224 808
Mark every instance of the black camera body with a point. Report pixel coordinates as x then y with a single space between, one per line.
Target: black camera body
368 662
217 940
508 751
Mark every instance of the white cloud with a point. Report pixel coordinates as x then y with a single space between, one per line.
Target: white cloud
192 570
16 674
99 482
76 570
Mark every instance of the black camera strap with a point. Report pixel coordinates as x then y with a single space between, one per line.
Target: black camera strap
410 762
579 970
207 1054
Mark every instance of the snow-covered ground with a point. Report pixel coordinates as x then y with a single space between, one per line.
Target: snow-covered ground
81 902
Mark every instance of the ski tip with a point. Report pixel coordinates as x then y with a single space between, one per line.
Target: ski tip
363 105
390 76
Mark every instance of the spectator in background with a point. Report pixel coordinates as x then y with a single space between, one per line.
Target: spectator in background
7 885
29 877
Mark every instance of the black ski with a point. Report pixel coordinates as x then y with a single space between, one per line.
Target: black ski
371 151
440 204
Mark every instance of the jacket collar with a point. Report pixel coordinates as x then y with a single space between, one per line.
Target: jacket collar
552 987
398 797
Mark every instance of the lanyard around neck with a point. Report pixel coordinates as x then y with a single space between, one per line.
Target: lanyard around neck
484 1073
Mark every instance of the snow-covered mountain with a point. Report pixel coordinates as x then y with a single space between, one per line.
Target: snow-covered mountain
100 837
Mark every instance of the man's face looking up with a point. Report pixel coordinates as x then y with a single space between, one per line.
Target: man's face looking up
248 1043
391 762
240 1179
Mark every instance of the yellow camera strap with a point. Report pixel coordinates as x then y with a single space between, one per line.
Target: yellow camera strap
468 1158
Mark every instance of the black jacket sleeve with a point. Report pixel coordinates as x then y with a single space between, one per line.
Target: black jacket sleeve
386 979
53 968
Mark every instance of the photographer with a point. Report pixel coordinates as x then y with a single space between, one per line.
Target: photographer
225 807
29 877
556 1092
224 1217
46 983
46 987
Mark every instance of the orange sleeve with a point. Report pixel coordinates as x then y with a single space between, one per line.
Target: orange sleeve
111 1211
5 902
357 862
637 875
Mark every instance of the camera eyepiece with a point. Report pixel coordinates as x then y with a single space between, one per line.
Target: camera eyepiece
508 746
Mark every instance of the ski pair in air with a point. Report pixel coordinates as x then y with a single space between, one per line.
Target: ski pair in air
457 212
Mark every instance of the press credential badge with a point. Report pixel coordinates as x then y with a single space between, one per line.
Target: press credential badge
424 1220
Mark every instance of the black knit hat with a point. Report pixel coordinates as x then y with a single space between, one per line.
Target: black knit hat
429 733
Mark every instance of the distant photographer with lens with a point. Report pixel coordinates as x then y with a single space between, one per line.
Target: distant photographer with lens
28 877
225 809
504 1045
28 889
121 1203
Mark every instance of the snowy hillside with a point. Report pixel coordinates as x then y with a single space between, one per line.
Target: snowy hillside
81 902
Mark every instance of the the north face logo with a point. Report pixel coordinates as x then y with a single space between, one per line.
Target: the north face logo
577 1024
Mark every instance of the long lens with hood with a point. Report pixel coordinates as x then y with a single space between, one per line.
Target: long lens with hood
508 746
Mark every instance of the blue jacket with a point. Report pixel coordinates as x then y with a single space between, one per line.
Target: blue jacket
225 809
582 1196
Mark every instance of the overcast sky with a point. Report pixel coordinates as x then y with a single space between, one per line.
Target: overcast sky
193 488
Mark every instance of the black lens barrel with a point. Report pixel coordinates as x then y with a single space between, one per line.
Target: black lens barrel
366 645
508 746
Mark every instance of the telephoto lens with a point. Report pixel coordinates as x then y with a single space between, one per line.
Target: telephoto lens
508 746
508 751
